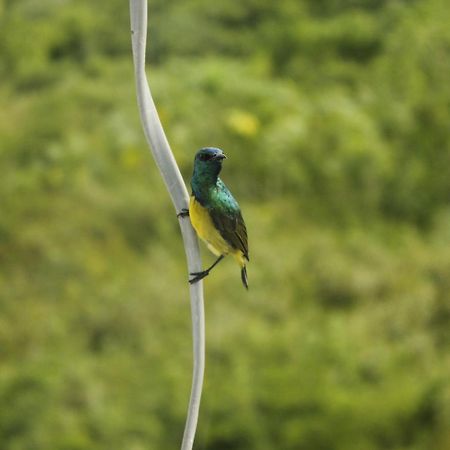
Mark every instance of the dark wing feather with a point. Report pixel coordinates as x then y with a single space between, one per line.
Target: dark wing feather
232 228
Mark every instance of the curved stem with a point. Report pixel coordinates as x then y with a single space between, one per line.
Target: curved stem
167 165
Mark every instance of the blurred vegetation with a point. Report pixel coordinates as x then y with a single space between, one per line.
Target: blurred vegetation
335 117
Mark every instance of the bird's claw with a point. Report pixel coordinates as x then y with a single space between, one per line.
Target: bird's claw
183 213
198 276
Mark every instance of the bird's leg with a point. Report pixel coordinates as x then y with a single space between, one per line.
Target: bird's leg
183 213
200 275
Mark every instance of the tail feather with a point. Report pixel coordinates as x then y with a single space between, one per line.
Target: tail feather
244 276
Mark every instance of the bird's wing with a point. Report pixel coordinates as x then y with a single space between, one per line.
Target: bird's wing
231 226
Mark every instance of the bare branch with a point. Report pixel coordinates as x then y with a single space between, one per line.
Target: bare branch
175 185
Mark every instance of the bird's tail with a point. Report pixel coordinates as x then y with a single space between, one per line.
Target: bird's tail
244 276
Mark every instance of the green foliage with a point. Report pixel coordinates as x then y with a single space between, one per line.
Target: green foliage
335 117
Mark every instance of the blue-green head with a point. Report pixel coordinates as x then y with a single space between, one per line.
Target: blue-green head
207 166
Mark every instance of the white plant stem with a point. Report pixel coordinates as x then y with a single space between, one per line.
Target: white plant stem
167 165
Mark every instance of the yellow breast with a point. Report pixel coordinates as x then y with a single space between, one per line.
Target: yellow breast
204 226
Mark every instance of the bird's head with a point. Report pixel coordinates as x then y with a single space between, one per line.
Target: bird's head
209 155
209 160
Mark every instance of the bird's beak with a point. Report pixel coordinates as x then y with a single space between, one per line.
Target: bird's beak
220 156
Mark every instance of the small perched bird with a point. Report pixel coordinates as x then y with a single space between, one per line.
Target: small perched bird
215 214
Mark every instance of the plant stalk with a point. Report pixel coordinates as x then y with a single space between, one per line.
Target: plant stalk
170 172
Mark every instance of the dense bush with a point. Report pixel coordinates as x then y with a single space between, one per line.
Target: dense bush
335 117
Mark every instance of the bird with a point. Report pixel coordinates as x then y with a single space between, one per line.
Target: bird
215 214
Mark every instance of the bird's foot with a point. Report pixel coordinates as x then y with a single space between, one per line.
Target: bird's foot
198 276
183 213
